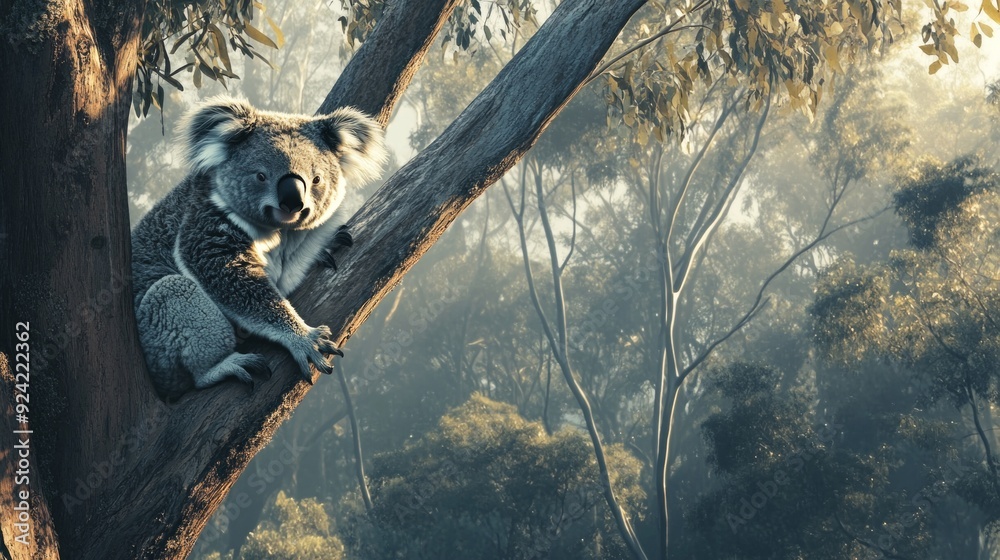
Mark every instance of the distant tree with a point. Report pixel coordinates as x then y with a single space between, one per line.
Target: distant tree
787 486
292 530
488 484
928 317
299 531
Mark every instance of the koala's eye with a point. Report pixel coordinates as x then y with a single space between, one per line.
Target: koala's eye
316 180
261 177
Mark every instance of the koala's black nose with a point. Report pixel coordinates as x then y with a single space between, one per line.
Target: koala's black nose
291 189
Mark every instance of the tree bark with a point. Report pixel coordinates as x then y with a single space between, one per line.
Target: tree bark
384 66
67 69
187 455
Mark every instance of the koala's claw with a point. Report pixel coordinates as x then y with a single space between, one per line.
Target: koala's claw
328 347
256 364
310 350
327 260
343 238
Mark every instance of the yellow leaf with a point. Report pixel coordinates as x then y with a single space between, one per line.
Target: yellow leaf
278 35
991 10
642 136
258 35
987 30
835 29
856 10
951 50
833 58
660 135
935 66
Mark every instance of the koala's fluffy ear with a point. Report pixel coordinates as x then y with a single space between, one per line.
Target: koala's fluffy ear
358 141
211 127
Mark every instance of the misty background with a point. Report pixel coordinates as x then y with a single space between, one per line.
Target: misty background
837 330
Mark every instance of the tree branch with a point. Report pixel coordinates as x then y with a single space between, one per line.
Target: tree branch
383 67
194 456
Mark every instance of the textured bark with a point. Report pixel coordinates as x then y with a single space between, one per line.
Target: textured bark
384 66
66 69
190 453
32 537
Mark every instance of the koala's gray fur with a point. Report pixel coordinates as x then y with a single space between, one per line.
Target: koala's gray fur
230 242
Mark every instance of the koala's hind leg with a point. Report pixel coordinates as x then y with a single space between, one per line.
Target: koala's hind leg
187 340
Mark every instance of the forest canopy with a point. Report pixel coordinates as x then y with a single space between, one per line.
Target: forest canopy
644 279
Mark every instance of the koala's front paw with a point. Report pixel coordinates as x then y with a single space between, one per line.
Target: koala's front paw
310 349
342 239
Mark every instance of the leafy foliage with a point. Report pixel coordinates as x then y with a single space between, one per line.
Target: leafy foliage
788 490
463 29
849 321
293 530
207 31
940 33
489 484
940 315
934 310
935 192
767 46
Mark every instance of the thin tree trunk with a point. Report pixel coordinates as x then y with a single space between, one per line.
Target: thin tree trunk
557 336
359 457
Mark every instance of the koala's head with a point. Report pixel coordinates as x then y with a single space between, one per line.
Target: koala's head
276 170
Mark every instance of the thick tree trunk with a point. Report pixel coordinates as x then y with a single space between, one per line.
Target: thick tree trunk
178 461
66 70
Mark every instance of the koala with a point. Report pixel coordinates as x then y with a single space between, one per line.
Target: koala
261 206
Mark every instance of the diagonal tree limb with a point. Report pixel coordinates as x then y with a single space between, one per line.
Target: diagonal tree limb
191 458
384 66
